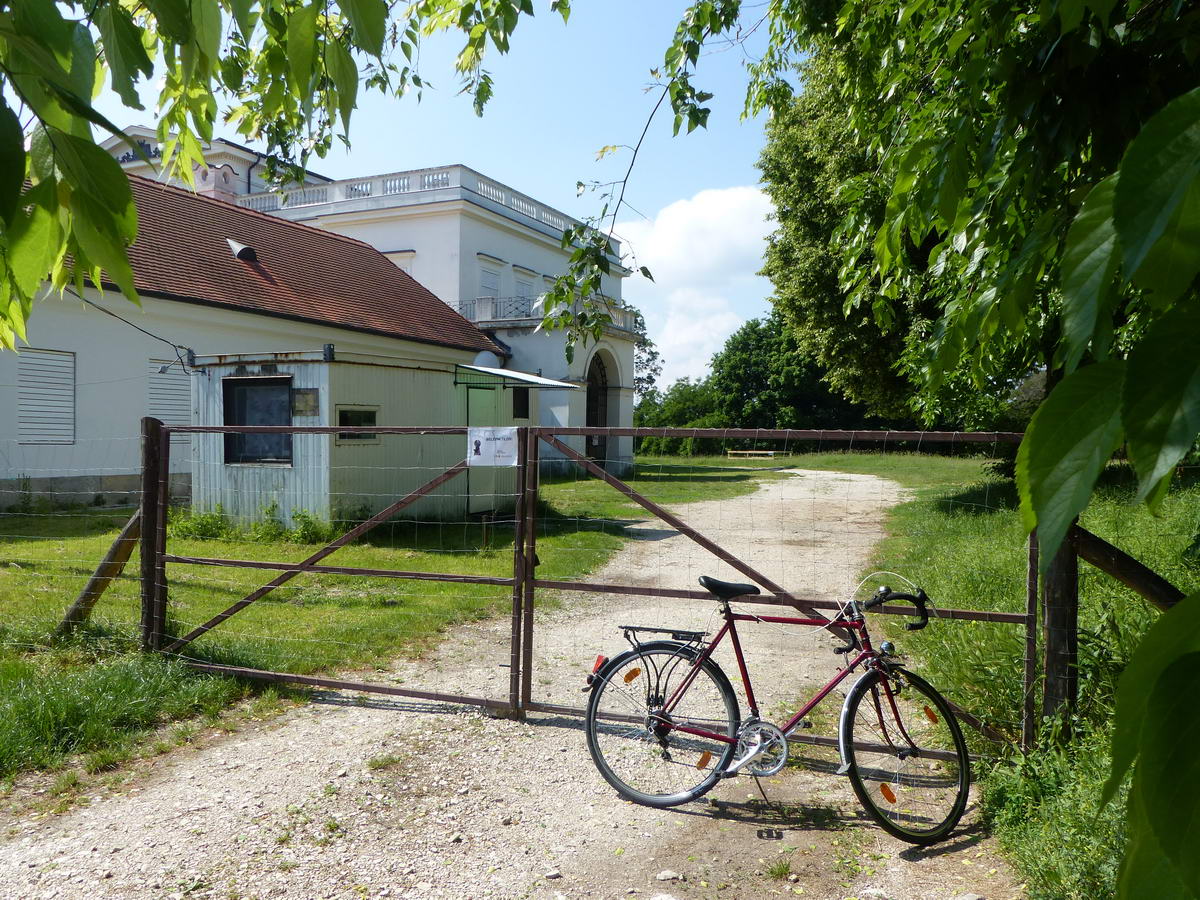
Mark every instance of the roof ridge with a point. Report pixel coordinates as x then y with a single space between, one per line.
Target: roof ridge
226 205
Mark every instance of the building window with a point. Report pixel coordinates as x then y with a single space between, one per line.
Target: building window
357 417
520 403
489 282
258 401
45 397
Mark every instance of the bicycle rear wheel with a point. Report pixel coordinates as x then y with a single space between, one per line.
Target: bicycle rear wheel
631 737
908 760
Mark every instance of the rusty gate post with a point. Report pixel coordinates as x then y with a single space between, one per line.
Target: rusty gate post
518 591
1060 617
151 512
1029 706
532 465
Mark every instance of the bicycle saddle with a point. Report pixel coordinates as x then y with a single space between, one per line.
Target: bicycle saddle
726 590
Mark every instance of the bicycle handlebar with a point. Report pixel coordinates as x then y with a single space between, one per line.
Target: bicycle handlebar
919 600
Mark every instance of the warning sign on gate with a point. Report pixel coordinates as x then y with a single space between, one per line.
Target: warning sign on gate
491 446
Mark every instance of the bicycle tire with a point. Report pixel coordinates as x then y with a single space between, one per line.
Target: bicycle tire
659 767
914 797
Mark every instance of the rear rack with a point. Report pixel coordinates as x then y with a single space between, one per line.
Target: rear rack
690 637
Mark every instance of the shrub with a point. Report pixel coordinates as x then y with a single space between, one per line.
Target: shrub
203 526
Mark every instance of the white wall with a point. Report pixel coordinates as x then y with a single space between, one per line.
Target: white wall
112 377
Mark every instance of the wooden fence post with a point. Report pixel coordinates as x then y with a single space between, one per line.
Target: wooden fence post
151 511
1029 706
1060 618
110 567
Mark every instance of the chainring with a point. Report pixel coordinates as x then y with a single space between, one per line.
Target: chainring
771 740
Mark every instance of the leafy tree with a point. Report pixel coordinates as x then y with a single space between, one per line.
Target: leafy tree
287 72
647 362
761 379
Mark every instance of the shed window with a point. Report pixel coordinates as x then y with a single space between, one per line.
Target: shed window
358 417
258 401
45 397
520 403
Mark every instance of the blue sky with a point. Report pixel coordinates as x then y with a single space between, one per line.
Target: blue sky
564 92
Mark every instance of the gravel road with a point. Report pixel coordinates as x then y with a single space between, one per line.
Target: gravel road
346 797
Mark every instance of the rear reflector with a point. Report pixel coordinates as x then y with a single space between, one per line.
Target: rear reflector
601 659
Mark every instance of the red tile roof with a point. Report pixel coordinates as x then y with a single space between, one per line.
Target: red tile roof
301 272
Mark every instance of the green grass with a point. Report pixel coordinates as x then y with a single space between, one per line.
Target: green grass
965 546
92 694
668 481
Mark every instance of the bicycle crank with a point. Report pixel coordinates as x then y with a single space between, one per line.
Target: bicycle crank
762 750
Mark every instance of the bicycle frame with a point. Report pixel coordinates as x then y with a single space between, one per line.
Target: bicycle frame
859 627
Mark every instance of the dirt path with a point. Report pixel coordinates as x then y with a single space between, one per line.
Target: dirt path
342 798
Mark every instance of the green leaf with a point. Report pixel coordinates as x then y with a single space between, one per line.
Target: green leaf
1156 174
123 51
92 227
1169 768
1088 267
96 175
1146 871
368 18
1070 14
12 161
1162 395
344 73
34 238
1172 263
301 44
1067 443
243 14
646 273
1176 633
174 18
206 20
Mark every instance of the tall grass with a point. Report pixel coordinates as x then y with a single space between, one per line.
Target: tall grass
966 548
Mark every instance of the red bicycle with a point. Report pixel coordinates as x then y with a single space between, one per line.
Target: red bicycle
663 723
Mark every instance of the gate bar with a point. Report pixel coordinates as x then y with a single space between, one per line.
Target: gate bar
287 677
532 465
284 577
333 570
785 434
970 615
519 577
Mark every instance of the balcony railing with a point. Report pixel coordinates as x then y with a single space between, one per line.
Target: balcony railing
515 309
412 182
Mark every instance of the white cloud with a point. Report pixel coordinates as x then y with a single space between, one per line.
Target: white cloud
703 253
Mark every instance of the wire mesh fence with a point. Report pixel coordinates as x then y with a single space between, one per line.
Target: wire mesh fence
536 564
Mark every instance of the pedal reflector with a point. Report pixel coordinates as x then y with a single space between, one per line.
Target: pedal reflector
888 794
931 715
632 674
705 759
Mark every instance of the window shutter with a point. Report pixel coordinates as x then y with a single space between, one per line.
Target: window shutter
169 395
45 397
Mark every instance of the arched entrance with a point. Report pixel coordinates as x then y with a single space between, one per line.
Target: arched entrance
597 407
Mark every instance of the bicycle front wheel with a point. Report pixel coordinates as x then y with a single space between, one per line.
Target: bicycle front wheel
636 743
908 760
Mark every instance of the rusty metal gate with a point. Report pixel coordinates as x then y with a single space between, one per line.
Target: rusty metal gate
524 581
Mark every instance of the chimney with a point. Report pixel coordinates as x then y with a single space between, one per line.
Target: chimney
216 182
